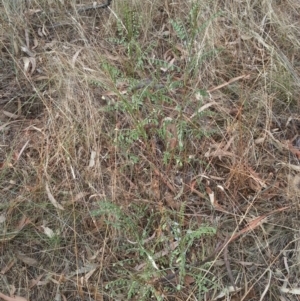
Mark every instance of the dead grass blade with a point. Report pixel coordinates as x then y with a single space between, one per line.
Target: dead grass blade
3 126
245 76
14 298
52 199
6 268
255 223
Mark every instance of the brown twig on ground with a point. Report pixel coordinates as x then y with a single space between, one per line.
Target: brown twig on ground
246 76
228 268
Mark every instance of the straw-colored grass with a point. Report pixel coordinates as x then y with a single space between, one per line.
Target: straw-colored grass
149 150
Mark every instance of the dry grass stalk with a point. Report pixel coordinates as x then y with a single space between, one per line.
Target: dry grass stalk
150 122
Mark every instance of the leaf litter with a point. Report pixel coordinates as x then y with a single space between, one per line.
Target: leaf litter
244 147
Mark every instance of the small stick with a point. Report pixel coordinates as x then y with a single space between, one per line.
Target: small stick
227 264
229 82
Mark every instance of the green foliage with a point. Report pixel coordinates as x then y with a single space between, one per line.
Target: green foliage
141 115
191 235
129 24
142 107
146 105
188 31
180 30
137 285
115 217
111 71
186 242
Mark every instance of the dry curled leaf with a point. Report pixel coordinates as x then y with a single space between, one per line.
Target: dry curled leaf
169 198
211 195
92 159
294 150
27 260
29 62
50 233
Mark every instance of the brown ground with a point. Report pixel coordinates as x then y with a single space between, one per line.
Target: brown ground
149 150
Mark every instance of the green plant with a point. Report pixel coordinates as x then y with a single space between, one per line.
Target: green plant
138 284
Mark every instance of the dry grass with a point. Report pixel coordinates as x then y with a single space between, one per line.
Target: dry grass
149 150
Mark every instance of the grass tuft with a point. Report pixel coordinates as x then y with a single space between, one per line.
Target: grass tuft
149 150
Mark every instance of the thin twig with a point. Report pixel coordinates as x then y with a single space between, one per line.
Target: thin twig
227 264
229 82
